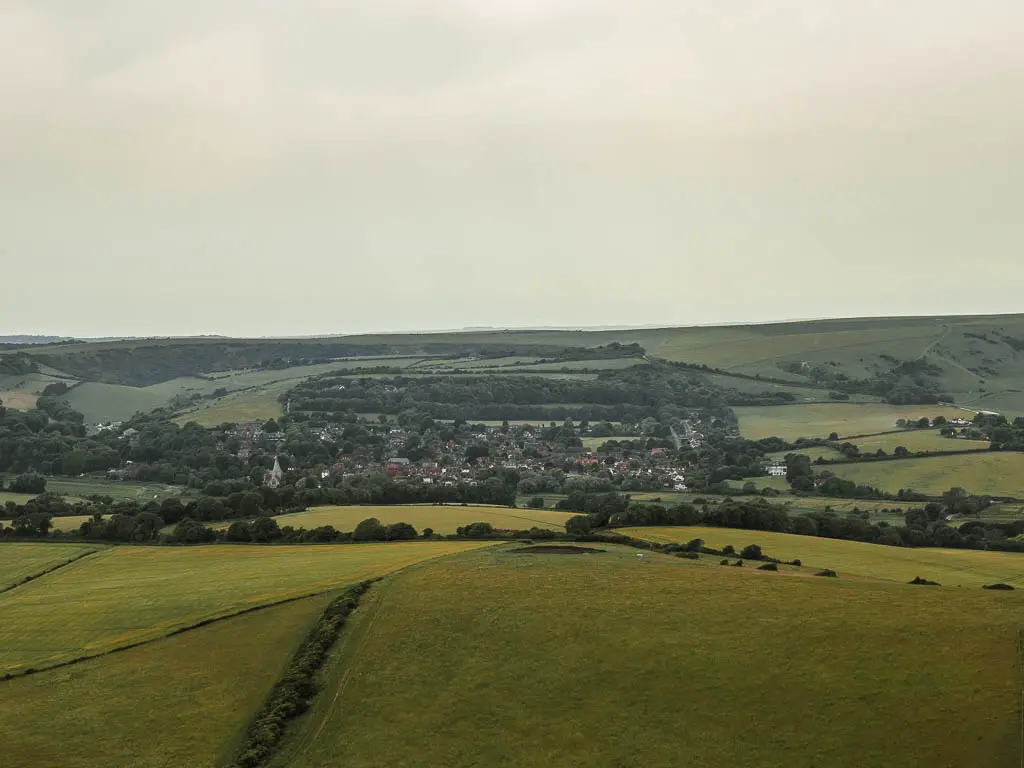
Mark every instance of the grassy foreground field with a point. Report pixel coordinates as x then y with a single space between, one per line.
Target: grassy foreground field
820 420
606 659
996 474
128 595
443 519
20 560
949 567
181 701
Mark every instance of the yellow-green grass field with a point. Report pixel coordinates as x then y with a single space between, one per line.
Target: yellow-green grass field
82 487
949 567
127 595
443 519
499 658
18 560
180 701
593 443
823 452
251 405
65 524
918 440
995 474
821 419
778 483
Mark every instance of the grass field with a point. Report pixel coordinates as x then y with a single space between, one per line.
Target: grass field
126 595
949 567
823 452
87 486
19 560
181 701
251 405
996 474
67 523
778 483
442 519
820 420
530 660
593 443
917 440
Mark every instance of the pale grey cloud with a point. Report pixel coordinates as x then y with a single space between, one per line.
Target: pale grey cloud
381 164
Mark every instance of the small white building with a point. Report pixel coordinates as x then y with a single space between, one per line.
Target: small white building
777 470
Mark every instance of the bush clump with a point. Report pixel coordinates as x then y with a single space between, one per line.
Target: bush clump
724 562
688 555
752 552
291 694
768 567
923 582
797 563
998 586
738 564
827 572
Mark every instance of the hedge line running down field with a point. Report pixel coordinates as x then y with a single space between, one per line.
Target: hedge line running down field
291 695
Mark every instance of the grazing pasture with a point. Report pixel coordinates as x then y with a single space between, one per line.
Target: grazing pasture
949 567
996 474
19 560
821 419
128 595
443 519
823 452
610 659
917 440
180 701
81 487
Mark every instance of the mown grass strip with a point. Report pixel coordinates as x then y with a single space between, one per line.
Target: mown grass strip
293 692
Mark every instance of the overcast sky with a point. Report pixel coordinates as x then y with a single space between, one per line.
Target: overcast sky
258 167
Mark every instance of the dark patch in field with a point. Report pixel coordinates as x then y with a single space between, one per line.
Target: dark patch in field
560 550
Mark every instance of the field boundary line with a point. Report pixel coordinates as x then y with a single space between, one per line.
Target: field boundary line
38 575
179 631
206 622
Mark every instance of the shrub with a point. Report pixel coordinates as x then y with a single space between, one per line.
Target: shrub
768 567
695 545
369 529
752 552
291 694
728 549
724 562
998 586
827 572
797 563
923 582
476 530
688 555
738 564
537 502
399 532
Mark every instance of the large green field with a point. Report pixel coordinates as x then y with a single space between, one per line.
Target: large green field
128 595
180 701
918 440
443 519
20 560
820 420
995 474
949 567
501 657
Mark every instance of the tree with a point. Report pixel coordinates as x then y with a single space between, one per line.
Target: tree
751 552
369 529
578 525
537 502
28 483
900 452
238 531
955 500
399 532
265 529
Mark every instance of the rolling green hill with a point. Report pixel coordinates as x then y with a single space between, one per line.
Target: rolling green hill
504 657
